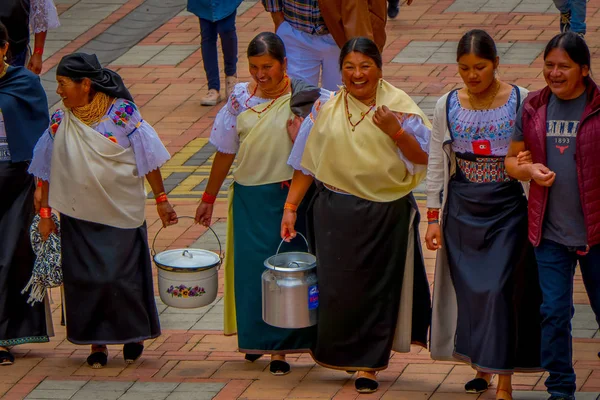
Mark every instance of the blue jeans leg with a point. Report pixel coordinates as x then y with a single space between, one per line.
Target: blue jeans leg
208 33
229 44
578 9
590 271
556 264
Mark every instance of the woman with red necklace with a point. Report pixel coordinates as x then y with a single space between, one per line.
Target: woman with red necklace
366 147
251 128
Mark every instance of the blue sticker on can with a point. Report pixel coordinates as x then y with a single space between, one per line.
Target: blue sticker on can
313 297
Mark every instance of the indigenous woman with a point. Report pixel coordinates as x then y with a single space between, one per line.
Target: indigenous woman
486 297
23 119
92 161
252 125
366 147
559 125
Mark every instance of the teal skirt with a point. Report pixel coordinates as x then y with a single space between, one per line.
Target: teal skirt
257 212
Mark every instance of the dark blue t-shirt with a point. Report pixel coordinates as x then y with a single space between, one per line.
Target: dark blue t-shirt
564 222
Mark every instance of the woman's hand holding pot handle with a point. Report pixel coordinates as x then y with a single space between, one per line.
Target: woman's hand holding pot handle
46 227
167 214
204 213
288 232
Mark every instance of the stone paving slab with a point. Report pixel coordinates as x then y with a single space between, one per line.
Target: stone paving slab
504 6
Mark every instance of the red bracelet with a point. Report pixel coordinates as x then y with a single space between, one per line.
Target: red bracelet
45 212
397 135
161 199
433 215
209 198
39 184
38 50
290 206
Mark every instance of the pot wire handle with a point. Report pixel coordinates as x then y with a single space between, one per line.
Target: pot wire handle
303 237
153 252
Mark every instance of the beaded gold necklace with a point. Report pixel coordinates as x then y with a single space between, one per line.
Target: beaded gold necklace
93 112
4 71
363 115
484 102
286 83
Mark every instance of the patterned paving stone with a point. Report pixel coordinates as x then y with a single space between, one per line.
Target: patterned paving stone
173 54
504 6
139 55
421 52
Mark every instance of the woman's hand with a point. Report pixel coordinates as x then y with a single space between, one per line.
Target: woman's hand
287 225
46 227
37 199
386 120
204 213
542 175
433 237
35 63
293 126
167 214
524 157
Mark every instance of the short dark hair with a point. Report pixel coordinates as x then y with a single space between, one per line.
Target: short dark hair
573 45
364 46
3 35
267 43
478 42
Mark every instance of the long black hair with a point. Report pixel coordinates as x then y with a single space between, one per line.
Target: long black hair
364 46
573 45
478 42
3 35
267 43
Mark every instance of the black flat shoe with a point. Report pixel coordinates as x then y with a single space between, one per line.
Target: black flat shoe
132 351
6 358
279 368
476 386
98 359
366 385
252 357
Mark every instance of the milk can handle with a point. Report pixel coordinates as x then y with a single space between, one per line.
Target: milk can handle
214 233
305 241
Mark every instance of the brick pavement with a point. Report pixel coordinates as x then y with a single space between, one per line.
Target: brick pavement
154 45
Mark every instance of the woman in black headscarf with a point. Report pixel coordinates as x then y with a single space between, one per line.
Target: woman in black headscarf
23 119
92 161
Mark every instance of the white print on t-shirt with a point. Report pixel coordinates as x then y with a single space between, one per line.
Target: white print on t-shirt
562 132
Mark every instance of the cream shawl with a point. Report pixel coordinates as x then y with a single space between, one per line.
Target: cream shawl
93 178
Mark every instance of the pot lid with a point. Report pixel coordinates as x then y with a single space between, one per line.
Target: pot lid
291 262
186 260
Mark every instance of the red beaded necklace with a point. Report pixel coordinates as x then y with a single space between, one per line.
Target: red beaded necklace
363 115
287 84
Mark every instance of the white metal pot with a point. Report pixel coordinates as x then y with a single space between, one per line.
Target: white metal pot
290 295
187 278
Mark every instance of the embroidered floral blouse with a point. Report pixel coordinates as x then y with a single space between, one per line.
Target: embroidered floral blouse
412 125
43 16
224 135
495 125
122 124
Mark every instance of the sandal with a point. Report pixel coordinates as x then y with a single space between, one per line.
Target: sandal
279 368
502 394
477 385
366 385
98 359
6 358
132 351
252 357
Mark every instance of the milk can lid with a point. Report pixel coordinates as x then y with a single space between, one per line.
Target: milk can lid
291 262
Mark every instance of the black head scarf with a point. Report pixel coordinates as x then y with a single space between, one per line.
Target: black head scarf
82 65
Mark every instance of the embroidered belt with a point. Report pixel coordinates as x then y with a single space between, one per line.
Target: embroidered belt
484 169
335 189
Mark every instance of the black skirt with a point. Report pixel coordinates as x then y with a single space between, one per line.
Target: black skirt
109 295
361 249
19 322
494 273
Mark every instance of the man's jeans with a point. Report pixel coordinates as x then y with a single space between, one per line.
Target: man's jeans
556 264
209 30
577 8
